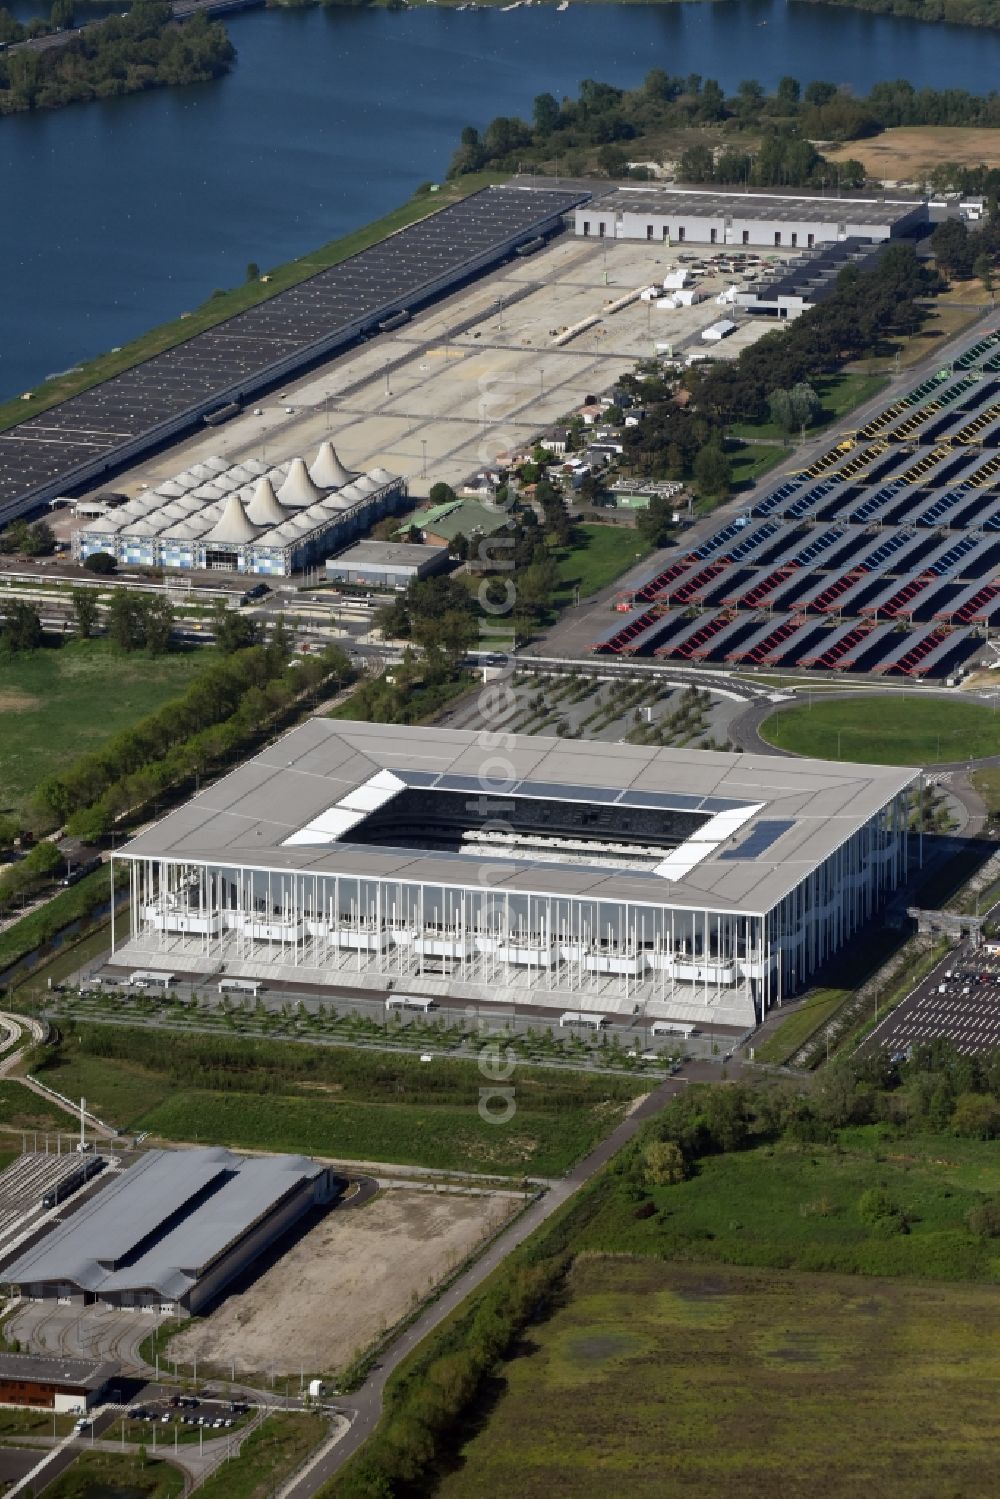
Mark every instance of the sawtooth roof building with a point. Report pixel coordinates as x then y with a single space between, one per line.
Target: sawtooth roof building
170 1232
245 517
691 885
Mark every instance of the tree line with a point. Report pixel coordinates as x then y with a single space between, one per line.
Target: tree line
864 307
570 136
227 710
953 12
125 54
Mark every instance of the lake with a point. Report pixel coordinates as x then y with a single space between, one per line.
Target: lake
122 214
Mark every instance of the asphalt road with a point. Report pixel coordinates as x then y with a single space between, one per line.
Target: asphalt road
365 1406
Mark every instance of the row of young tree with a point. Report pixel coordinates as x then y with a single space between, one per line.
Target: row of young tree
225 712
124 54
570 134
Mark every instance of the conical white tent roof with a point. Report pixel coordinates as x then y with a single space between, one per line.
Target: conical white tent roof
169 489
298 488
366 484
207 492
232 526
254 467
327 469
216 464
242 473
227 483
264 509
184 530
381 475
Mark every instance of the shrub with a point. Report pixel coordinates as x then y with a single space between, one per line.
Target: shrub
984 1219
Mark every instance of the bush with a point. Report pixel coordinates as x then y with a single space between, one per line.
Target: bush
874 1205
984 1219
101 563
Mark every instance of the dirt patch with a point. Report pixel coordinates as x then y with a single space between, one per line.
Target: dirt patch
910 152
12 701
345 1281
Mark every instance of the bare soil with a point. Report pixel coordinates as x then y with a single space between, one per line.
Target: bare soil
346 1281
911 151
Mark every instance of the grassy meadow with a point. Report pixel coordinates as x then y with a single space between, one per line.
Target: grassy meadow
334 1101
61 702
724 1383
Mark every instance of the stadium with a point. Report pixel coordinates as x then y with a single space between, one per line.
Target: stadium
691 885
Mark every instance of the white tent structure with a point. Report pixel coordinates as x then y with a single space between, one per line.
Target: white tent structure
327 469
263 509
232 528
298 488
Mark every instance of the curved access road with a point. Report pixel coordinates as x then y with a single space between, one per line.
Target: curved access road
365 1407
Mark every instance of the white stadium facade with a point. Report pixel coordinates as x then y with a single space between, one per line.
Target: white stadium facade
681 884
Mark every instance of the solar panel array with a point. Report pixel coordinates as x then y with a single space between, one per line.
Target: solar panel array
882 557
82 438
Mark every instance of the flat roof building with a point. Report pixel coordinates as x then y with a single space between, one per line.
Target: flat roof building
696 885
386 564
53 1384
170 1232
712 216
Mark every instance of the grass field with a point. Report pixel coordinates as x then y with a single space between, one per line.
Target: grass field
112 1475
789 1206
59 703
749 461
339 1102
987 783
22 1110
270 1454
600 554
877 730
658 1380
839 394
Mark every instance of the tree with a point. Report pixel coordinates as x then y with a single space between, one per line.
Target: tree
40 540
126 620
101 564
232 629
545 113
713 471
84 612
22 630
664 1163
795 408
441 494
655 524
976 1116
982 267
951 248
158 624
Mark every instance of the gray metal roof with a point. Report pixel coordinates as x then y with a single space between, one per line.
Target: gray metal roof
787 207
247 818
159 1225
387 554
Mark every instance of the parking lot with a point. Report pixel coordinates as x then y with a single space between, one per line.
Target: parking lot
958 1002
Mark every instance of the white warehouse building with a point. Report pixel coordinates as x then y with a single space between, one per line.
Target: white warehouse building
245 517
690 885
712 216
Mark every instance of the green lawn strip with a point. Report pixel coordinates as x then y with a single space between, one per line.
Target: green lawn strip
644 1371
599 554
333 1100
65 701
269 1455
21 1109
226 304
39 927
815 1010
113 1475
749 461
889 730
987 783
